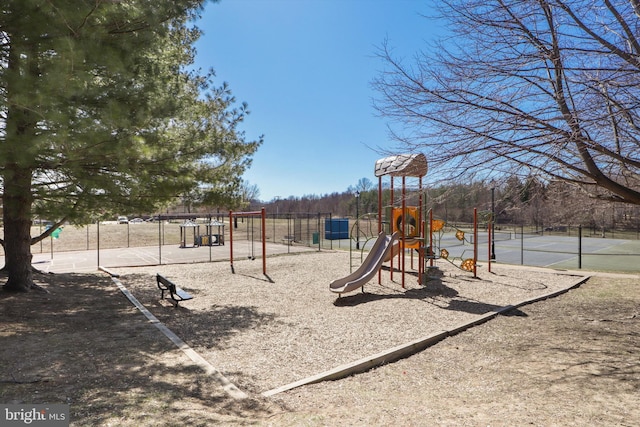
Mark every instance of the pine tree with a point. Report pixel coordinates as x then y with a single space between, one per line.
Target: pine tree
100 114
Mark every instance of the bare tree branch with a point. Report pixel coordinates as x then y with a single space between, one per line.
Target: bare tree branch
547 87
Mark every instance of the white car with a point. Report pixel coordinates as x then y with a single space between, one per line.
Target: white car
123 220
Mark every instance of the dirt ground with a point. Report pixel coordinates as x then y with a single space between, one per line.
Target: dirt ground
570 360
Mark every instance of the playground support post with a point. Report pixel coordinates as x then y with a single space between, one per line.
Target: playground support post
380 204
475 242
391 203
263 227
432 255
404 225
357 220
380 221
420 234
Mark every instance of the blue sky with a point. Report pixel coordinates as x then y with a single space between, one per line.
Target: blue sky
305 69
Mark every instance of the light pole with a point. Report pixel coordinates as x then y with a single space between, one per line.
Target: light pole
493 224
357 220
276 199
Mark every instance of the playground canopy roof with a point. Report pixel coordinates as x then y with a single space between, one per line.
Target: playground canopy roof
402 165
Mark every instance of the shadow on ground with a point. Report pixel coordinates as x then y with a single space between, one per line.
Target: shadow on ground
85 345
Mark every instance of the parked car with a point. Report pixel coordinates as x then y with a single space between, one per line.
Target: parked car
123 220
136 220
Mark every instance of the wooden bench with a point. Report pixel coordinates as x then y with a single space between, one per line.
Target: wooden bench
175 293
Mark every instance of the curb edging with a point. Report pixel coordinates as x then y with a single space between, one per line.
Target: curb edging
209 369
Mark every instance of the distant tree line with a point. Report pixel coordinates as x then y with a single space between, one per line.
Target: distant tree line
530 202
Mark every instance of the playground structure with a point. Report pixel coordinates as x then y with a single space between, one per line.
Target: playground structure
210 238
404 224
186 228
407 229
262 215
403 219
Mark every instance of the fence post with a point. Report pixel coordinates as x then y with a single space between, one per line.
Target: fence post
160 236
331 230
318 231
98 241
289 232
522 244
580 247
210 235
263 230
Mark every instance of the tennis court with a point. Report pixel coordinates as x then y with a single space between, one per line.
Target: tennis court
561 252
551 251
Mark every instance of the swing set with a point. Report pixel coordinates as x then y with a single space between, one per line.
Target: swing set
262 215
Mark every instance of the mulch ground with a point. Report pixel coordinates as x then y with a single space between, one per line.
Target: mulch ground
570 360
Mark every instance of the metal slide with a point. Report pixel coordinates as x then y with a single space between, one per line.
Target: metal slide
380 253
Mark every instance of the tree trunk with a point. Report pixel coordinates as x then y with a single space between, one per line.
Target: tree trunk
17 229
18 152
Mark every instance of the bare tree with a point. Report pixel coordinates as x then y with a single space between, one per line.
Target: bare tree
249 192
364 184
546 88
